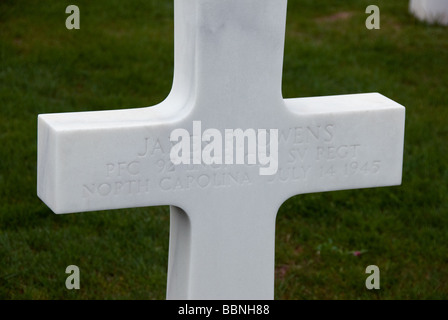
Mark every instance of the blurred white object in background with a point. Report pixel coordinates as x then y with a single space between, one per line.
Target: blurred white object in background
432 11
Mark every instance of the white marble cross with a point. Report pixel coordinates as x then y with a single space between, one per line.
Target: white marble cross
228 76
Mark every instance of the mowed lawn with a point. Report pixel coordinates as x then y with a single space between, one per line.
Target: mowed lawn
122 57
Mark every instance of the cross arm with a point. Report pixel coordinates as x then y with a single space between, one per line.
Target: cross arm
105 160
341 142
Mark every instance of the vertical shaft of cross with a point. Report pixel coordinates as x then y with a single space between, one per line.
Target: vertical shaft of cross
228 63
225 251
229 54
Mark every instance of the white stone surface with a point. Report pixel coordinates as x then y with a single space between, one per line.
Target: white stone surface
432 11
228 75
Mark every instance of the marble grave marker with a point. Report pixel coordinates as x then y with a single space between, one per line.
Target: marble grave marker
228 76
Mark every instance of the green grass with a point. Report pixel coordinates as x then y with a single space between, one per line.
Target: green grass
123 57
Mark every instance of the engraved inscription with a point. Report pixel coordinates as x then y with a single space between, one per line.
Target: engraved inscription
115 188
204 180
337 152
308 134
306 153
117 169
153 146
